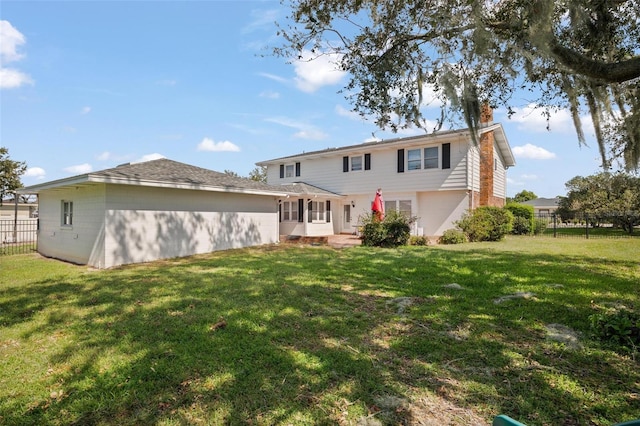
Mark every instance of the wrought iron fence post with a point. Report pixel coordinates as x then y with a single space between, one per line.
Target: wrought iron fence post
586 223
555 225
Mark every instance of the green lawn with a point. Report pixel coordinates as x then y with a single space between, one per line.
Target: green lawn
313 335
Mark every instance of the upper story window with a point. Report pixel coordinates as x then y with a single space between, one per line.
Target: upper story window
67 213
356 163
289 170
424 158
414 159
431 158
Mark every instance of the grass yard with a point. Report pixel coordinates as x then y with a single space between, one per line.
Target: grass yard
314 335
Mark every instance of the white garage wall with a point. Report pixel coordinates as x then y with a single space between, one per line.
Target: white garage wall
145 223
82 241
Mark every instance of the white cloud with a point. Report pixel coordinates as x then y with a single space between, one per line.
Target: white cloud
11 39
35 172
533 152
85 110
149 157
79 169
167 82
529 177
343 112
305 131
273 77
208 144
104 156
270 94
533 119
314 71
262 19
10 78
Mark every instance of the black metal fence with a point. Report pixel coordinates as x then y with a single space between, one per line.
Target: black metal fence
18 236
584 225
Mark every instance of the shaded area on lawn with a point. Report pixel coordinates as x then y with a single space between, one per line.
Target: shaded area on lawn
311 337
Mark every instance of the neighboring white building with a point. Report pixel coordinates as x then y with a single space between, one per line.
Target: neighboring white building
543 206
436 178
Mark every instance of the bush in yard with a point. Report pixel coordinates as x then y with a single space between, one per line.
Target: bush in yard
418 240
393 231
453 236
523 218
521 226
621 328
486 223
539 226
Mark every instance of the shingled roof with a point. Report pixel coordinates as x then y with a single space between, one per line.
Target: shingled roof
166 173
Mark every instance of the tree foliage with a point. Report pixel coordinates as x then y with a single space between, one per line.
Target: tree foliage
524 195
10 172
259 174
577 54
604 195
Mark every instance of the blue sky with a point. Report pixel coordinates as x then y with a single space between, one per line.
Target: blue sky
88 85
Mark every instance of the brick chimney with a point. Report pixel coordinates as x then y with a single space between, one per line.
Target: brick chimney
486 157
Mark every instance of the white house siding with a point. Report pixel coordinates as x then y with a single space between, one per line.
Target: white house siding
499 175
438 210
327 173
82 241
473 168
146 223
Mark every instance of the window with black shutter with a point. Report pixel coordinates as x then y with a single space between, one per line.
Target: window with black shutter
446 155
300 210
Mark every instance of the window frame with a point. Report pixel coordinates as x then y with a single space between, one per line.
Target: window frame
354 164
414 163
431 158
66 213
290 211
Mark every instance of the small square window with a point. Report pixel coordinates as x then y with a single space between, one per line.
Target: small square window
289 170
431 158
356 163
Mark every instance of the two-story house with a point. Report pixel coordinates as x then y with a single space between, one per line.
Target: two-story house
162 208
435 178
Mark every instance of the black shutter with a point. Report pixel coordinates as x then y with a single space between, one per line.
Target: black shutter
310 207
367 161
300 210
401 161
345 164
328 212
280 211
446 155
297 169
281 171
